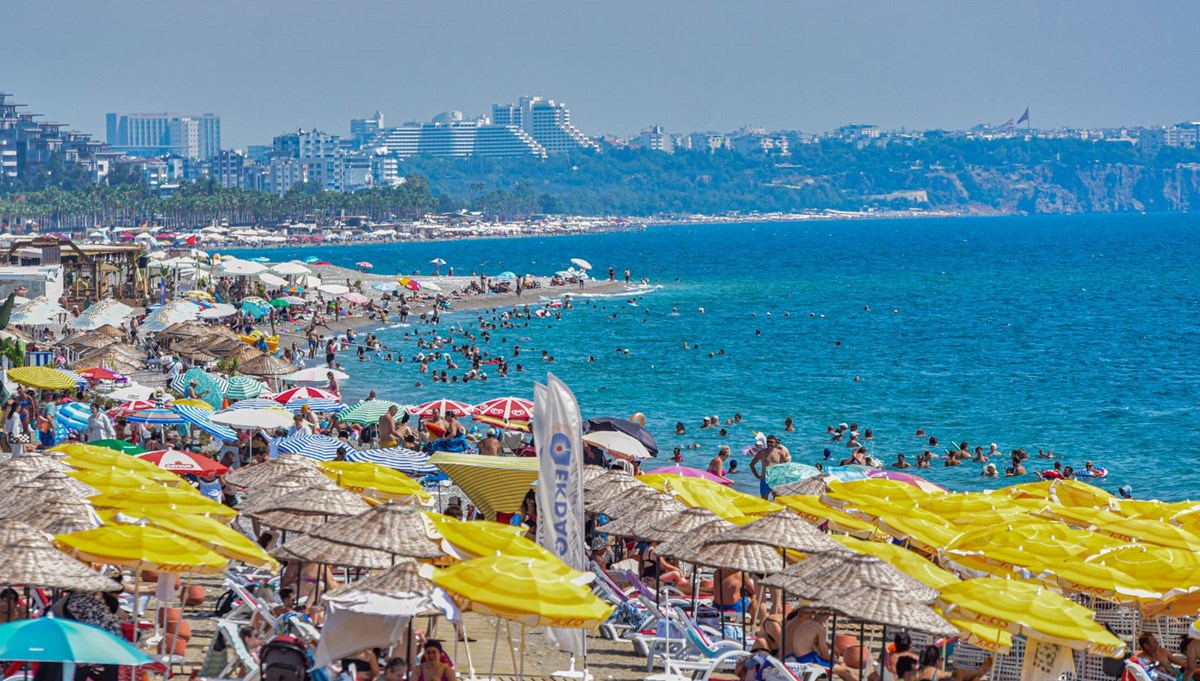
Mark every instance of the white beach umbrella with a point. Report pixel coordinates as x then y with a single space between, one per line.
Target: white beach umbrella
333 289
430 285
618 443
272 279
107 311
290 268
252 419
40 311
172 313
309 281
315 374
130 391
218 310
582 263
241 268
438 261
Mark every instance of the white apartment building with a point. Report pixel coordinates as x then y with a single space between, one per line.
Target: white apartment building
196 137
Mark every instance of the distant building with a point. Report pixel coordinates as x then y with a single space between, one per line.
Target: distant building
363 129
449 134
655 138
768 144
196 137
229 168
709 141
1182 135
546 121
26 145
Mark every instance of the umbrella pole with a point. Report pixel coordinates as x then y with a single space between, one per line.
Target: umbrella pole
508 635
408 650
862 634
832 641
521 673
783 616
495 649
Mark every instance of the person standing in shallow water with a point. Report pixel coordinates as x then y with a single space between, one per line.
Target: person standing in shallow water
773 453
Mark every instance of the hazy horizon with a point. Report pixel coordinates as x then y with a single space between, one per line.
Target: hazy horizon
271 66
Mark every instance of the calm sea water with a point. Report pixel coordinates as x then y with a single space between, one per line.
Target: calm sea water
1077 334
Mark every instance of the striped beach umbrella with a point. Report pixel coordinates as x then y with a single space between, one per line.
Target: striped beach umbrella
303 393
211 386
183 462
367 411
408 461
199 419
74 415
315 447
443 407
255 403
317 404
157 416
130 407
506 409
243 387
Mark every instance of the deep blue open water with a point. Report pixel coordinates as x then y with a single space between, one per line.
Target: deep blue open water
1077 334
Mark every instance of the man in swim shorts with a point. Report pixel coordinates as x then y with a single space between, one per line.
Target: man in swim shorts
809 645
773 453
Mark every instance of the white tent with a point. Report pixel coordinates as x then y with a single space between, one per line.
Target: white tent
40 311
172 313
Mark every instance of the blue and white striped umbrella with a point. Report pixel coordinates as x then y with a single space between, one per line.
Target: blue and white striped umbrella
159 416
408 461
74 415
212 385
80 381
315 447
317 404
243 387
198 418
256 403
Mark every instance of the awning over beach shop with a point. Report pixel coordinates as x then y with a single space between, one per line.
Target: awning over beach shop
494 484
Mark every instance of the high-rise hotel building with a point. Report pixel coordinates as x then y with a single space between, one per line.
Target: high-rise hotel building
154 134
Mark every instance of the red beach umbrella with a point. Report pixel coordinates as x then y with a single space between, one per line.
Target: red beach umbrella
183 462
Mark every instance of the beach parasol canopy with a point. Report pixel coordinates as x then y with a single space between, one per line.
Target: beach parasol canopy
689 472
30 559
243 387
261 474
438 261
59 515
314 501
40 311
505 409
170 314
333 289
786 473
315 375
532 592
183 463
409 283
885 607
385 286
240 268
107 312
811 509
495 484
157 416
615 503
374 480
607 423
272 279
581 263
253 419
618 443
476 538
312 549
649 513
367 411
823 576
266 365
785 531
444 407
43 378
315 447
54 639
218 311
397 530
407 461
910 563
304 393
907 478
430 285
1030 610
355 298
290 268
142 547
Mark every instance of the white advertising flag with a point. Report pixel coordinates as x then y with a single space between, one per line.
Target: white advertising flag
558 434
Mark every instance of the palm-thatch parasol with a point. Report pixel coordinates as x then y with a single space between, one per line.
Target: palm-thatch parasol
315 501
398 530
262 497
728 554
114 361
60 515
825 575
404 578
645 513
607 483
787 531
685 544
185 330
52 478
193 353
814 486
680 525
313 549
885 607
30 559
287 520
263 473
615 503
266 365
591 472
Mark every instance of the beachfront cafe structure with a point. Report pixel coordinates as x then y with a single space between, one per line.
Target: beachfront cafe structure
89 272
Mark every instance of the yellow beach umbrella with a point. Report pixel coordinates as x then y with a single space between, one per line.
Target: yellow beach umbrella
189 402
910 563
365 477
811 509
482 538
1101 581
111 480
980 634
1171 571
496 484
141 467
1034 611
1152 509
923 530
532 592
727 503
44 378
210 533
882 490
141 547
163 498
1030 543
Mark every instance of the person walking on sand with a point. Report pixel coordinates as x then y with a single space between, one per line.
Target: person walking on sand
765 457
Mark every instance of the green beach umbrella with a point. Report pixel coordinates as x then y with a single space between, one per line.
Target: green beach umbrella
119 446
785 473
280 302
243 387
52 639
212 386
367 411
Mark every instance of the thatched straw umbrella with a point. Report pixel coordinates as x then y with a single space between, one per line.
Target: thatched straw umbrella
60 515
814 486
826 575
646 514
614 504
268 471
29 559
288 520
266 366
607 483
314 501
310 548
591 472
787 531
686 544
398 530
680 525
402 584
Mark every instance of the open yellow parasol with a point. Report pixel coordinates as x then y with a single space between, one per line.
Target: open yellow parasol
205 531
1034 611
811 509
530 591
163 499
367 478
908 562
727 503
112 479
143 468
482 538
43 378
141 547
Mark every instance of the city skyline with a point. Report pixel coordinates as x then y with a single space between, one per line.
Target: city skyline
621 67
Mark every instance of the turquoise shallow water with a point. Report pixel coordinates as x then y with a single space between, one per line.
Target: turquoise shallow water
1077 334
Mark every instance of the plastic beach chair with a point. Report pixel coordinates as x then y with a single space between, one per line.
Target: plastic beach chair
217 663
703 654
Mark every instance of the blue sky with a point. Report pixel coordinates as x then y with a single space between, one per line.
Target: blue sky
271 65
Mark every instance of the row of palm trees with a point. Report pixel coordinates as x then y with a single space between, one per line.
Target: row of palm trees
205 202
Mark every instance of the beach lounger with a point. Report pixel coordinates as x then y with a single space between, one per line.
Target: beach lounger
703 654
255 604
218 664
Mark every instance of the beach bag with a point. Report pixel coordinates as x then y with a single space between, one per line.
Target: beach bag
283 658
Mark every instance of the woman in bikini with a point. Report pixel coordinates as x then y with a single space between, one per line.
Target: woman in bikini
435 665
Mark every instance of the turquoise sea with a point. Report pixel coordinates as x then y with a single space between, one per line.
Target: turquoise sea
1077 334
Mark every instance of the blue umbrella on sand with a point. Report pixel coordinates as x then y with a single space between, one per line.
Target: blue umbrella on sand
51 639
